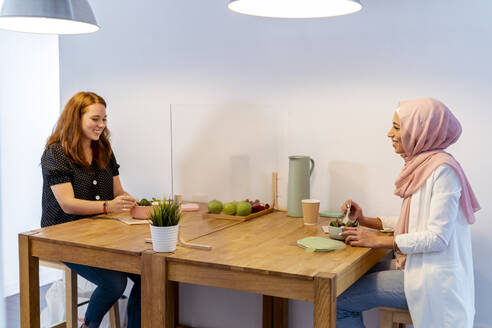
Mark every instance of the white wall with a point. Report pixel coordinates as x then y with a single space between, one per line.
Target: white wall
333 82
2 302
29 107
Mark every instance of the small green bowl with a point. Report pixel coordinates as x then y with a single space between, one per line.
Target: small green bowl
335 233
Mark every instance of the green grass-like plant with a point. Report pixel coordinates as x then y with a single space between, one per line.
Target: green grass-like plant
166 214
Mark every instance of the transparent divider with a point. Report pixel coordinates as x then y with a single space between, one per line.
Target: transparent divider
224 152
229 152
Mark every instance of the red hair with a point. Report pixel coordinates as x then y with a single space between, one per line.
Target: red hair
68 132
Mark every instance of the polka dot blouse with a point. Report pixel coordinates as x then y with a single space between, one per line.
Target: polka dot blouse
96 184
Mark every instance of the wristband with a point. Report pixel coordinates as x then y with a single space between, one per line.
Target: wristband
105 208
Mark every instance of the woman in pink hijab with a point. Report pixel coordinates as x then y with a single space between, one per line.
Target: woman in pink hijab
432 240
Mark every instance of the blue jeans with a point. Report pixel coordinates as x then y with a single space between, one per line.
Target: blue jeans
380 286
110 287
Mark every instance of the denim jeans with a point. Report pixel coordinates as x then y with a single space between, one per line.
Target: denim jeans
110 287
381 286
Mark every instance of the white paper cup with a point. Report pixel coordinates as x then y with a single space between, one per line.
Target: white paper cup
178 199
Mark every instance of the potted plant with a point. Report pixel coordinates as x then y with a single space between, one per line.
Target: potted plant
142 210
164 225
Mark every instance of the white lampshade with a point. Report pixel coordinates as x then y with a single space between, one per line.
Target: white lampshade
295 8
48 16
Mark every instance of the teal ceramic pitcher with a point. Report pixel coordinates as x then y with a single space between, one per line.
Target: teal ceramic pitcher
300 170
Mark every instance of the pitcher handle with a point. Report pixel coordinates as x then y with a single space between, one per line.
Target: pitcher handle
312 167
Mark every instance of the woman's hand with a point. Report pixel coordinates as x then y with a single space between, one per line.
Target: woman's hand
356 214
122 203
360 237
355 210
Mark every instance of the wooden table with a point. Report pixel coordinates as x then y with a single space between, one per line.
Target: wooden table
261 256
258 256
102 243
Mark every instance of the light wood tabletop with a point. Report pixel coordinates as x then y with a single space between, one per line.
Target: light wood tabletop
268 245
258 256
261 256
100 242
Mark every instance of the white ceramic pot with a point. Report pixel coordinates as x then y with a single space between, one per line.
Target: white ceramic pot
164 239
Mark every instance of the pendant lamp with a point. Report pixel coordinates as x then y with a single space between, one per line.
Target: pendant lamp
48 16
295 8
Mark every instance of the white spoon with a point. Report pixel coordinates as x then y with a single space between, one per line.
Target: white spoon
346 218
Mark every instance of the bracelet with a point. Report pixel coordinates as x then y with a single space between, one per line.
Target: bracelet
105 208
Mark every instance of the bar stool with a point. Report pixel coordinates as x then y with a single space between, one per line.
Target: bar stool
394 317
71 300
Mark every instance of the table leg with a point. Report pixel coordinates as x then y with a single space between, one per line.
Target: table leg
267 311
325 301
159 296
29 284
71 298
275 312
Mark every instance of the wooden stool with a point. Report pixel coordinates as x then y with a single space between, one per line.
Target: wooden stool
71 300
394 317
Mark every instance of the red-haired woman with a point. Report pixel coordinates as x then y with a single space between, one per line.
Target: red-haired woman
80 179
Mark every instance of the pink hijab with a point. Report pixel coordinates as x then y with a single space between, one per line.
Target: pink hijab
428 127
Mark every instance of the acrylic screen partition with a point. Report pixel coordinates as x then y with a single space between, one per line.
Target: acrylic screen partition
228 152
224 152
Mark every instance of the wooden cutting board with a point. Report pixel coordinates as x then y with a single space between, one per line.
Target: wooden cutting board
237 217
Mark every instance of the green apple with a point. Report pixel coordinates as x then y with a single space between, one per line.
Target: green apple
215 206
230 208
243 208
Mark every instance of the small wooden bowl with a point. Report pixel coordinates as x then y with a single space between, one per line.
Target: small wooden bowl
141 212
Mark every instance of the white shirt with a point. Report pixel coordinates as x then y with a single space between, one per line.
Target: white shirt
438 277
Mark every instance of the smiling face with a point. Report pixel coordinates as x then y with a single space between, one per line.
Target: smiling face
93 122
395 135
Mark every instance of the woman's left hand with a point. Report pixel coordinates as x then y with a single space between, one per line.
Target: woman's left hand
360 237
